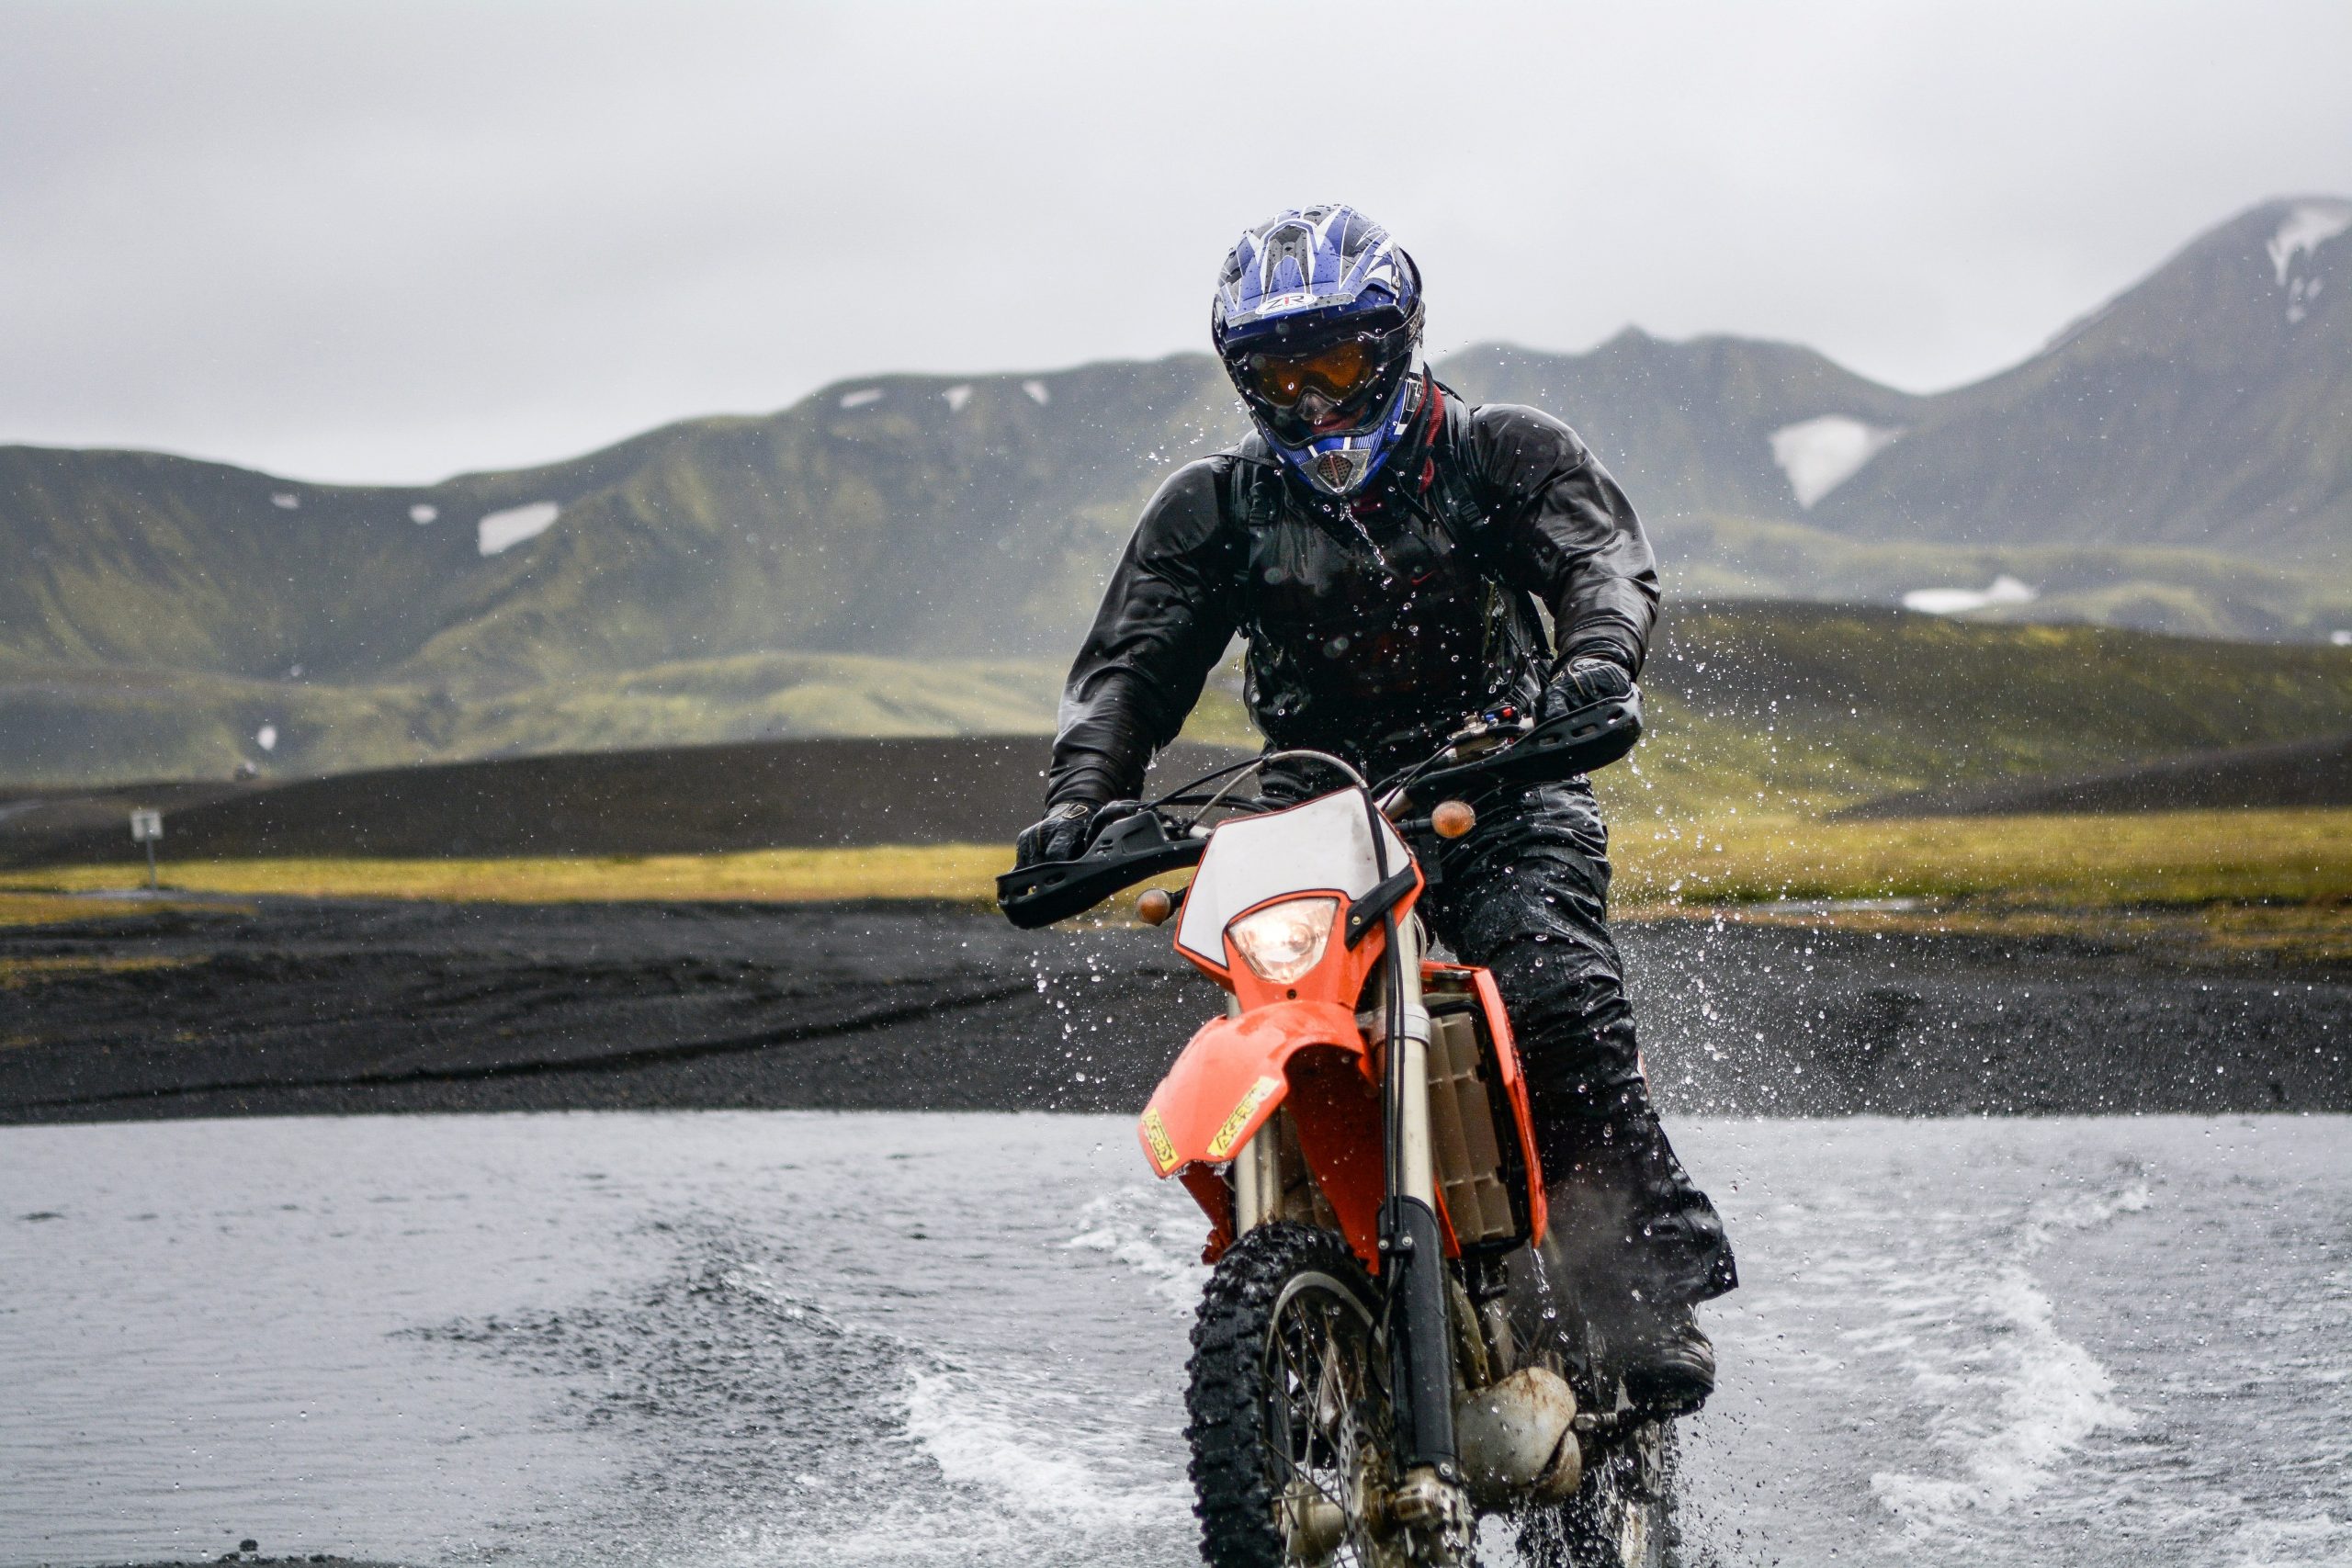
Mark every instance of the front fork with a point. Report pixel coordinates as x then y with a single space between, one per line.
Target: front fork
1412 1248
1257 1166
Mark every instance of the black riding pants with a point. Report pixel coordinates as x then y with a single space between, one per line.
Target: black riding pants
1525 894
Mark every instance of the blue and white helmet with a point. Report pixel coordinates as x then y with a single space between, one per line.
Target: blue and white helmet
1318 318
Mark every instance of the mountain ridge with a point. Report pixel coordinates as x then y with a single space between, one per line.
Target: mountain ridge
2227 374
2179 461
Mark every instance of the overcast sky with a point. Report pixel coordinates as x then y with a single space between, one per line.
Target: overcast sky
359 241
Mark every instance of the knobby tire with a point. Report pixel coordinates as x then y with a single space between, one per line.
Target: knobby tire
1237 1467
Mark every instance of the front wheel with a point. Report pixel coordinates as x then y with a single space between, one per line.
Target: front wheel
1290 1418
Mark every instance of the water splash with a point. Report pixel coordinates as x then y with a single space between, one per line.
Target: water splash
1157 1234
1982 1328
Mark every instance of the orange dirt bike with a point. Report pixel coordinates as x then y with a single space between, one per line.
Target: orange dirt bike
1390 1344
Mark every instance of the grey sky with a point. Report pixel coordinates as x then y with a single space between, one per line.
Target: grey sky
385 243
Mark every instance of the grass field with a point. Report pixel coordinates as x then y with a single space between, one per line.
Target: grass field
2289 856
2178 859
957 872
49 909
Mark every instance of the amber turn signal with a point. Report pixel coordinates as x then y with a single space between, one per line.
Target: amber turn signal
1453 818
1155 907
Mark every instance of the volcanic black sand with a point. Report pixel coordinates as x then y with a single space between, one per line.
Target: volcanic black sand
298 1006
913 790
677 800
2288 772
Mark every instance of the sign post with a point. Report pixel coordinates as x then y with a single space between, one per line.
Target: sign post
146 826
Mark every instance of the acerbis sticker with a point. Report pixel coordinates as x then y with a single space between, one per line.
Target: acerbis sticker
1222 1144
1155 1138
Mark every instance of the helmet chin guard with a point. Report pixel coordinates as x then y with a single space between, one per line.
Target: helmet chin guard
1340 465
1318 305
1340 470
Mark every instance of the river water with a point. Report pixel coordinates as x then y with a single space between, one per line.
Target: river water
780 1339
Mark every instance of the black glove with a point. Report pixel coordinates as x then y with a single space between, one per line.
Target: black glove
1579 684
1064 832
1060 834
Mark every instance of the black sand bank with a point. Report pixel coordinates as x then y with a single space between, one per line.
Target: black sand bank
298 1006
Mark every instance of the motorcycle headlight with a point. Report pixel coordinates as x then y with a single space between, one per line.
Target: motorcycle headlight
1282 941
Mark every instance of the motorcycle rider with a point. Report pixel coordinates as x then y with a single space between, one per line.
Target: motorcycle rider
1382 547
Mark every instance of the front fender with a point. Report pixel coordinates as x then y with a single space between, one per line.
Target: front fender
1230 1078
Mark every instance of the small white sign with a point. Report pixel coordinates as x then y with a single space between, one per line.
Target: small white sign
146 825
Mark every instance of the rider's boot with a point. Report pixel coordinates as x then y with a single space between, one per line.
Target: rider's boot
1668 1364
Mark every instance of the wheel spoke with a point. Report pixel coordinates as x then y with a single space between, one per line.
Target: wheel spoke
1307 1416
1316 1412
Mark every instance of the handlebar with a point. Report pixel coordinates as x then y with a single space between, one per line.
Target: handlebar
1123 854
1139 846
1582 741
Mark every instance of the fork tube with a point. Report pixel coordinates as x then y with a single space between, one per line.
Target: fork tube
1413 1173
1256 1181
1420 1344
1248 1206
1257 1176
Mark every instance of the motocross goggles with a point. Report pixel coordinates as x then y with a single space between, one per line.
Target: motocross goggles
1303 386
1337 371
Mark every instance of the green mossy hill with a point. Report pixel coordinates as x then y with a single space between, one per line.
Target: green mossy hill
2193 593
1808 706
901 516
70 728
1778 706
1687 425
137 560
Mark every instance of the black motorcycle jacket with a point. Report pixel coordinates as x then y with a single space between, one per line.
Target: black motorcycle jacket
1375 624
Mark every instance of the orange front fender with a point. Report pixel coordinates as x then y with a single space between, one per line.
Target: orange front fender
1232 1077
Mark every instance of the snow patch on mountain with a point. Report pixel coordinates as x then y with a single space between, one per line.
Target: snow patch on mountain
862 397
1819 455
2308 226
422 513
2005 589
1039 393
957 396
505 530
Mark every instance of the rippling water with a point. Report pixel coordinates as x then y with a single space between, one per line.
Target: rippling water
786 1338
